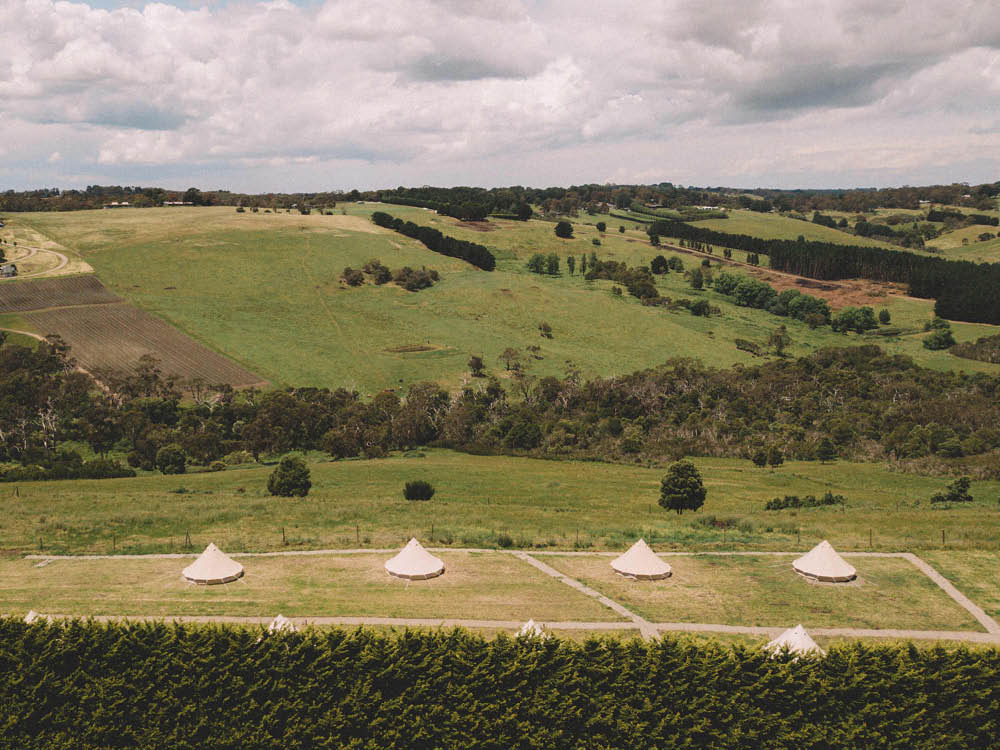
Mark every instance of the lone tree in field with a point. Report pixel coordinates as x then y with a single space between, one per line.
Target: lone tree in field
760 458
682 489
170 459
476 366
601 226
565 230
290 479
826 451
775 457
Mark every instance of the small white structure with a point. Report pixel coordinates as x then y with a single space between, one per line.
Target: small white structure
414 563
641 562
31 617
824 564
532 629
797 641
281 624
213 566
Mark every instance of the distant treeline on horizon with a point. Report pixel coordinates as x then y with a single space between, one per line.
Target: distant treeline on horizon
507 200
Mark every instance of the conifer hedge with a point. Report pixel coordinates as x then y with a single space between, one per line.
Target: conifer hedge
83 685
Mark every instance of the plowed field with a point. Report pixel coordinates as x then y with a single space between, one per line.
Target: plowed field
21 296
112 337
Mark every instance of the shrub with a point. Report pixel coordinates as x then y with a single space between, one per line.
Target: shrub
957 492
170 459
290 478
939 339
809 501
217 466
682 489
353 277
418 490
505 541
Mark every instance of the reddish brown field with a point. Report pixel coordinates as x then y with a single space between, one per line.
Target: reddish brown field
112 337
21 296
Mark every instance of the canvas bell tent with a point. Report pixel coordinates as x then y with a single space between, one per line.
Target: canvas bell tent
797 641
641 562
213 566
414 563
824 564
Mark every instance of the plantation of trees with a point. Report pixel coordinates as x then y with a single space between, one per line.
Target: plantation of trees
963 290
437 242
156 685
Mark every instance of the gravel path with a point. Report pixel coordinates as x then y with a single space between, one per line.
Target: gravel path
647 630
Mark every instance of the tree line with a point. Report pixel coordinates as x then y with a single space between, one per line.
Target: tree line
86 685
471 252
869 406
963 290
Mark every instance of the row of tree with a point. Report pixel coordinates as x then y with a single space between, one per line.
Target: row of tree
471 252
85 685
963 290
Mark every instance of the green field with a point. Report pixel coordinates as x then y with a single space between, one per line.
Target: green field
264 289
765 591
536 503
484 586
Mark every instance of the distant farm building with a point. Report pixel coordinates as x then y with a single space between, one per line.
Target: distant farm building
178 203
8 271
117 204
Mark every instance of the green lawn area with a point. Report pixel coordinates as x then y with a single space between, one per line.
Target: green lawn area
777 227
537 503
488 586
976 573
765 591
258 287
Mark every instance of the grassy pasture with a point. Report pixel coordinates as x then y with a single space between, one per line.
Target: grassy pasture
488 586
976 573
777 227
258 286
765 591
537 503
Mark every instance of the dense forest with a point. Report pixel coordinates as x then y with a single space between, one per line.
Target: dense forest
86 685
870 406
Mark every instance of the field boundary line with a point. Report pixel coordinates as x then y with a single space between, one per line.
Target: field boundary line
393 550
949 588
645 628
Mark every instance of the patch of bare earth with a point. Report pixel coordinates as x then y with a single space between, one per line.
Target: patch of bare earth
840 293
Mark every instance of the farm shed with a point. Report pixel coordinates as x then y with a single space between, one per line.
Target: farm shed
8 271
213 566
414 563
641 562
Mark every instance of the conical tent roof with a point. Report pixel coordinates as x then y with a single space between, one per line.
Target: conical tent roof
640 562
797 641
213 566
31 617
414 563
281 624
824 564
532 629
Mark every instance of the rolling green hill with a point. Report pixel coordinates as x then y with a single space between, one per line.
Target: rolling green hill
265 290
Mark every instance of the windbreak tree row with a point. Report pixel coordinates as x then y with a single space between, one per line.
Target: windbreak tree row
963 290
476 254
84 685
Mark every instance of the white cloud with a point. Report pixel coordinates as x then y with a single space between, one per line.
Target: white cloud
702 92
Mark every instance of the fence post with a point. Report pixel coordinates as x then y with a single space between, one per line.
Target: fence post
869 537
284 539
942 537
114 543
357 533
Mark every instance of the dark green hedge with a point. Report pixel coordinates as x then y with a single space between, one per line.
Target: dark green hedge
83 685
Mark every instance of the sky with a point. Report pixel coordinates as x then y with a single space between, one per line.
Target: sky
339 94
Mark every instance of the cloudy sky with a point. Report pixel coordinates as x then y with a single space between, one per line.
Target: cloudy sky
318 95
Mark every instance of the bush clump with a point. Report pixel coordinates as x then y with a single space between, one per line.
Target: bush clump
957 492
290 478
418 490
809 501
171 459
